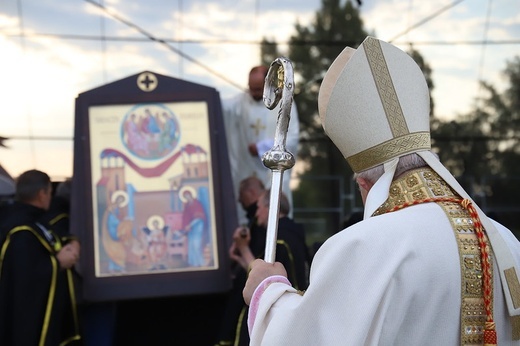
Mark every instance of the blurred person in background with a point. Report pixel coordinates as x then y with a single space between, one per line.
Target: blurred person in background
250 130
38 305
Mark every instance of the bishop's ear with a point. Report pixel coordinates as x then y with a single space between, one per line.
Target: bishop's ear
364 187
364 184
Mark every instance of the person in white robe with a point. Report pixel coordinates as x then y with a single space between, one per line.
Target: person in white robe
250 130
426 266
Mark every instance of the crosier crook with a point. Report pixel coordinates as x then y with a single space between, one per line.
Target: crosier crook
279 85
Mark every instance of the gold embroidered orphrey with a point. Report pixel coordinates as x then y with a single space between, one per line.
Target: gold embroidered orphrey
424 183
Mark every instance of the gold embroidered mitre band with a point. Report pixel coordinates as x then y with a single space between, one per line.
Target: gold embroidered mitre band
374 104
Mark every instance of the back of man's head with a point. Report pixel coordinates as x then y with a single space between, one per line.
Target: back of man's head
29 185
250 190
406 163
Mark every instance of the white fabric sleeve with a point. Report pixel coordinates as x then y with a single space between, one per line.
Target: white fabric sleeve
360 283
257 295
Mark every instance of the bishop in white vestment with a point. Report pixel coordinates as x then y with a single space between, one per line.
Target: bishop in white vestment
426 266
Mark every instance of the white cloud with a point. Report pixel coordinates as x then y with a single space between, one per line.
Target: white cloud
45 74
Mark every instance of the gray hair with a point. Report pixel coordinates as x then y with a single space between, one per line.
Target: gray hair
406 163
285 207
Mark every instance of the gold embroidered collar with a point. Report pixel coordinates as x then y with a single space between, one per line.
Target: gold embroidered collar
415 185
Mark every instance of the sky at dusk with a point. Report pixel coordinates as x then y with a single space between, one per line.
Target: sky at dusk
53 50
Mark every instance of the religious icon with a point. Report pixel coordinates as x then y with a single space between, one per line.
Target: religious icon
151 169
151 202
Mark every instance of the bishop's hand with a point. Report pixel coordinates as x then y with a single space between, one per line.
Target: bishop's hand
259 270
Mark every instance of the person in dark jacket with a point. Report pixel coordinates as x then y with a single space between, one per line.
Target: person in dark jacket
34 266
291 246
249 244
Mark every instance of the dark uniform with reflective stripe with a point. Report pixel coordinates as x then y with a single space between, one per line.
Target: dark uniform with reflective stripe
35 296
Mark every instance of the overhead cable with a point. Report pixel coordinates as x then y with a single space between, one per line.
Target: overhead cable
427 19
163 42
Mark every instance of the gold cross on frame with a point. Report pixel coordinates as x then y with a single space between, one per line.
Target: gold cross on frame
257 127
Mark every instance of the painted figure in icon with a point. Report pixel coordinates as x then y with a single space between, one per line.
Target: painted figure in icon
150 132
156 231
122 246
115 225
136 141
193 223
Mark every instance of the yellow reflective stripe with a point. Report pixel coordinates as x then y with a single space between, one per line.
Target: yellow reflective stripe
58 218
16 230
239 326
291 260
50 300
72 293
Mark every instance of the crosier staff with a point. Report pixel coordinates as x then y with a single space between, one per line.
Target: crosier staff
279 86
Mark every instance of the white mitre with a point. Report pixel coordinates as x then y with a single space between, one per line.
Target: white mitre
374 105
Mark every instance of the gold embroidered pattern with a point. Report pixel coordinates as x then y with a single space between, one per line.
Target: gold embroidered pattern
392 148
415 185
512 281
473 315
424 183
385 87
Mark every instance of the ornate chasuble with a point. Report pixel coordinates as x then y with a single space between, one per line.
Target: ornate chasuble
424 183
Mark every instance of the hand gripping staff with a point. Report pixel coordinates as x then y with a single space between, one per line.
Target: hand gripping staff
279 85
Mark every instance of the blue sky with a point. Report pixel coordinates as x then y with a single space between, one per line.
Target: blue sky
43 73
